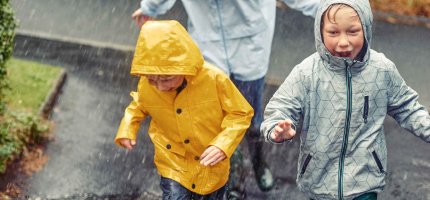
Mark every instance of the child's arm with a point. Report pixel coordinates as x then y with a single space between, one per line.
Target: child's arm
130 123
237 117
284 106
403 106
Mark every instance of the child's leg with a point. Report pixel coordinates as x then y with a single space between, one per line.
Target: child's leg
217 195
172 190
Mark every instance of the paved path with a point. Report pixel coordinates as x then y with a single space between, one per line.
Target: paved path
84 163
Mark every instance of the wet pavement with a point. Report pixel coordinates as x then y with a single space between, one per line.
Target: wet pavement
95 47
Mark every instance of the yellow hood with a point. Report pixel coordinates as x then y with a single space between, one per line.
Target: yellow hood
165 47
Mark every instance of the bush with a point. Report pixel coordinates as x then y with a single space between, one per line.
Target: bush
7 35
27 129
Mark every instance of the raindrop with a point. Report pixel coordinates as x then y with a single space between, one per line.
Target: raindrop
129 175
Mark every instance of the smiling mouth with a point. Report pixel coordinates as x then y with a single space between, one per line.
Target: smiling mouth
346 54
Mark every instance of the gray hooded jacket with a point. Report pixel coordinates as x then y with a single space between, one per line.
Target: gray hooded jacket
343 104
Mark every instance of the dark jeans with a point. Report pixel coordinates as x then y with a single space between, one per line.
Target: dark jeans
172 190
253 91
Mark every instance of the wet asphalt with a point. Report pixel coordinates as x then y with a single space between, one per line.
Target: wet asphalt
93 41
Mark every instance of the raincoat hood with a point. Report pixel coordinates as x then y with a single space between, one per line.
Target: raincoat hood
164 47
362 7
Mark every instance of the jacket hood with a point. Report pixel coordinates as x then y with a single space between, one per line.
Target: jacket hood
362 7
165 47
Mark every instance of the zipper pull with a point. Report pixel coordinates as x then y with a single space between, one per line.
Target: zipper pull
349 72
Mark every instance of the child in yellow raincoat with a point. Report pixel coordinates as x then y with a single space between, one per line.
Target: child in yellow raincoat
198 116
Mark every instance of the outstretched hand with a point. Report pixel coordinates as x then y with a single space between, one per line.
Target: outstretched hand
283 131
212 155
127 143
140 18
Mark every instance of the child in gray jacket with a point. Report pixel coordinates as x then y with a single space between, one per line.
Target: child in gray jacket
343 93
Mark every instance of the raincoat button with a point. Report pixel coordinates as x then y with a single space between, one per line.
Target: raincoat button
178 111
193 186
186 141
196 158
168 146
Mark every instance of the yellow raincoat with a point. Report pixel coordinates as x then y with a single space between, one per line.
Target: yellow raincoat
208 111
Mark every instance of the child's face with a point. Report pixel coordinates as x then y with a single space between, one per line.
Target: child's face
166 83
342 32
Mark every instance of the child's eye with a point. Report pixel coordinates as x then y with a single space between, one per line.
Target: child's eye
151 82
332 32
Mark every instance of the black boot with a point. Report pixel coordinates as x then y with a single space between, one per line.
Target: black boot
236 186
263 175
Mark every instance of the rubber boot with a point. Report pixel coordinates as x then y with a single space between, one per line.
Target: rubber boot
236 186
263 175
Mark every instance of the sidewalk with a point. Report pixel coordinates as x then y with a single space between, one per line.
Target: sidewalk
95 47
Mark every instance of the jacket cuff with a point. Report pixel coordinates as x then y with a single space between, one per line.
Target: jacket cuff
268 138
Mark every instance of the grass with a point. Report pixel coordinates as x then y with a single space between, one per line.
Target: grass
30 83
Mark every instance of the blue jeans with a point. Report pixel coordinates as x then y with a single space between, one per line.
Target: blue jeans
253 91
172 190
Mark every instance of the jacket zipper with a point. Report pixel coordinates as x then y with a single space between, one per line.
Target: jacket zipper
221 25
346 130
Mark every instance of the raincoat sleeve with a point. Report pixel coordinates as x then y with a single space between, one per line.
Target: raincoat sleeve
403 106
237 116
307 7
134 114
156 7
286 103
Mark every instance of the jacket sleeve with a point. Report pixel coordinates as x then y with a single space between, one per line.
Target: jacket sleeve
307 7
237 116
130 123
286 103
156 7
404 107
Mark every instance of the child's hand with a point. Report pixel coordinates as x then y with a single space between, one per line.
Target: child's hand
127 143
283 131
139 17
212 156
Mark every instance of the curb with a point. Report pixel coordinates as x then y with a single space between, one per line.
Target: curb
48 105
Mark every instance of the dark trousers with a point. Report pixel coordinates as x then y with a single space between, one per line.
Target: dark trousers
172 190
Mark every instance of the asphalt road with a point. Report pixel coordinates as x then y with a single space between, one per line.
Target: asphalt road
93 41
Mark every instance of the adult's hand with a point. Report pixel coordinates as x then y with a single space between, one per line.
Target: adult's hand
140 18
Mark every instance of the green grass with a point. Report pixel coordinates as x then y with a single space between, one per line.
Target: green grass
30 83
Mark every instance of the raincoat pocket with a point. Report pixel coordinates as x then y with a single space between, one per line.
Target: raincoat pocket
305 165
366 108
169 154
378 162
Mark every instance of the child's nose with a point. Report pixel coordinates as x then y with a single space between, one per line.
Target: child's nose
162 87
343 41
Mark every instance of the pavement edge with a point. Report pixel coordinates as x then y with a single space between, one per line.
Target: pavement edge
49 103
